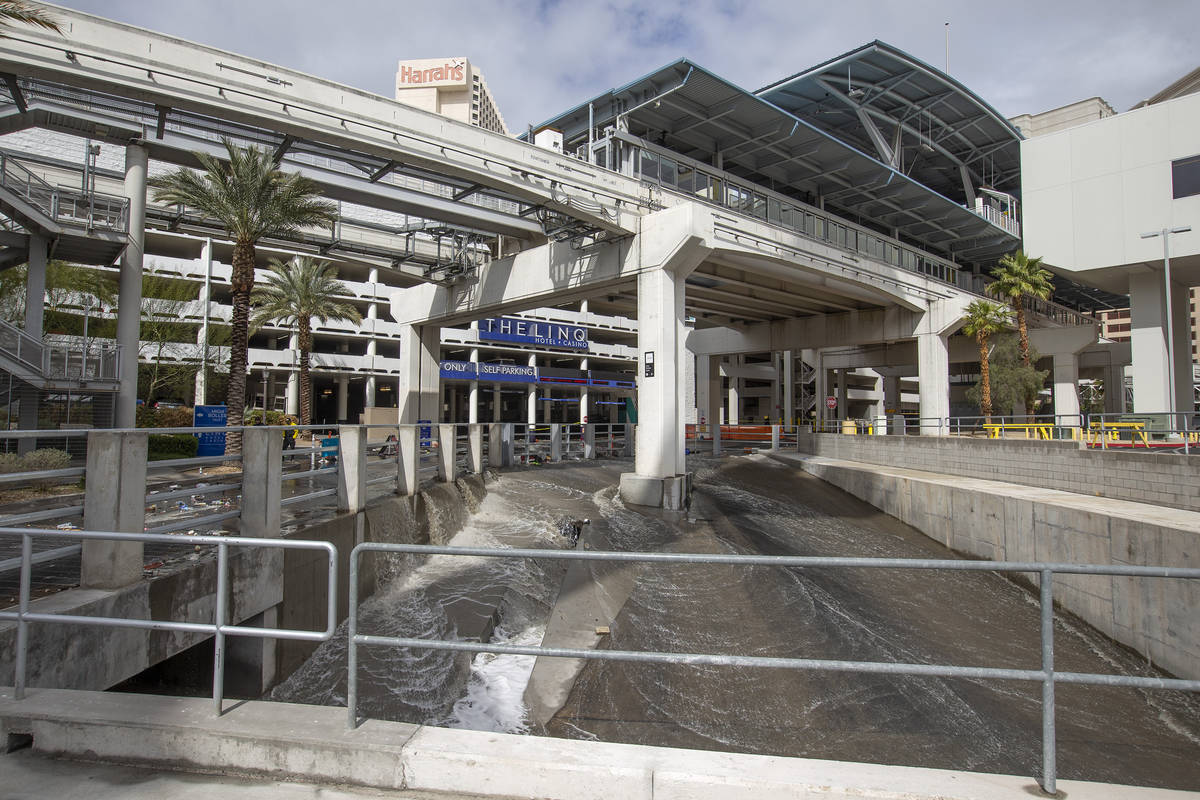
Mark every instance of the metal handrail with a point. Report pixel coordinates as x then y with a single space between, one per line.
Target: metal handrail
218 627
87 208
1047 675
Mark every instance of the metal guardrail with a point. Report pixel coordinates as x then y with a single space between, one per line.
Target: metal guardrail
218 627
70 206
1047 675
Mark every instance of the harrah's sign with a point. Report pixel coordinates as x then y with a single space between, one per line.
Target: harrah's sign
445 73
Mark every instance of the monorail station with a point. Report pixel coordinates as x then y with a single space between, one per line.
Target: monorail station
800 253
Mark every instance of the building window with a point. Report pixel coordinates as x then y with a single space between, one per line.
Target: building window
1185 177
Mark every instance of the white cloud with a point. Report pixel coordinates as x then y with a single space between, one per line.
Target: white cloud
541 58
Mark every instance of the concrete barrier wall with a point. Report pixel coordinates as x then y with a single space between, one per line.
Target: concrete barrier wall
1167 479
1155 616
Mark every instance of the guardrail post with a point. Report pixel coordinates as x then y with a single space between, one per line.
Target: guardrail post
589 441
774 437
114 500
555 441
475 448
352 468
446 448
408 459
495 444
630 432
508 436
262 465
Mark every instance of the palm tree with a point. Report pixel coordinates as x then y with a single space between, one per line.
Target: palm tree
295 293
253 199
1019 277
26 13
983 320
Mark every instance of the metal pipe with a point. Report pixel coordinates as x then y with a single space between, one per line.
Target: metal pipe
219 637
1048 738
23 609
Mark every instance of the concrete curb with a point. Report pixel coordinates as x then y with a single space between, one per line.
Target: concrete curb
312 743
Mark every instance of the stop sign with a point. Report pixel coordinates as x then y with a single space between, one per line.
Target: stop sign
831 402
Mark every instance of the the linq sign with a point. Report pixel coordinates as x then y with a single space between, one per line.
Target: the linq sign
528 331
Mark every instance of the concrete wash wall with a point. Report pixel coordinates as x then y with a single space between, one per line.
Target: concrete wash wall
1166 479
1005 522
288 584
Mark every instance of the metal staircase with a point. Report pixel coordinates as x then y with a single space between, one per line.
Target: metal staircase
81 227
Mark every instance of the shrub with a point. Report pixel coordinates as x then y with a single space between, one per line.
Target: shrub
46 458
172 445
255 417
9 462
164 417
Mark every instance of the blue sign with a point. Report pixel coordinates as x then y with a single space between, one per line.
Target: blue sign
425 433
211 444
530 331
508 373
496 373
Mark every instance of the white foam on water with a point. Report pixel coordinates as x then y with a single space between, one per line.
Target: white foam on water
494 698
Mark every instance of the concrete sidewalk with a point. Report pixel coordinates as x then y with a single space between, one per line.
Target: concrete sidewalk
287 742
32 776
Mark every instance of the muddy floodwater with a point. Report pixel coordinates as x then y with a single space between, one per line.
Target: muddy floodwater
756 505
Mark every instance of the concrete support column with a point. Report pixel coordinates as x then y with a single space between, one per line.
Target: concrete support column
343 397
35 286
446 452
660 442
202 337
1114 390
789 388
776 430
352 468
843 394
262 464
115 500
497 403
372 346
1066 388
293 384
408 460
129 296
776 413
711 411
419 390
733 415
703 389
475 449
508 443
29 400
496 445
531 396
555 442
473 391
589 441
891 402
1148 341
584 397
933 372
821 387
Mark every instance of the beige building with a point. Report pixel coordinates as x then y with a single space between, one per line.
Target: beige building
452 87
1116 324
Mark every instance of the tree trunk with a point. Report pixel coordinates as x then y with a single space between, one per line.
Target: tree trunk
235 396
1019 307
985 382
304 341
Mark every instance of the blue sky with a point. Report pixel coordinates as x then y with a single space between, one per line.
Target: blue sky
544 56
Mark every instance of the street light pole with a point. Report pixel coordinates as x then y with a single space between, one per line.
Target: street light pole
1165 233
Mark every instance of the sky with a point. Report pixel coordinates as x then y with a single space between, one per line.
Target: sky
541 57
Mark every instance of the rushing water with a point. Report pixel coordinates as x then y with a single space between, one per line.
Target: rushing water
748 505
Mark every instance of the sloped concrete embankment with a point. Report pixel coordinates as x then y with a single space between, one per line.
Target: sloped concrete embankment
1009 522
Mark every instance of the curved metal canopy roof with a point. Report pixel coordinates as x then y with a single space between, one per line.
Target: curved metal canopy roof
917 118
691 111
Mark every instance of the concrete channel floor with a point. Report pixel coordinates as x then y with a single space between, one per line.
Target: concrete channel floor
32 776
